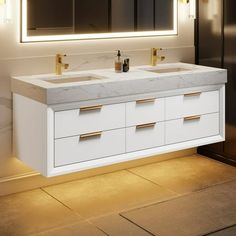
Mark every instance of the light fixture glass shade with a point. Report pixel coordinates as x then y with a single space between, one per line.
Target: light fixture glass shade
192 9
5 11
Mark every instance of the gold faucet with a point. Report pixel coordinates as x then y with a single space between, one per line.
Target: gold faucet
60 65
155 57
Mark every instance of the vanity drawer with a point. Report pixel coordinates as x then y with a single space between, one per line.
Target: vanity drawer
191 128
145 111
192 104
89 147
145 136
89 119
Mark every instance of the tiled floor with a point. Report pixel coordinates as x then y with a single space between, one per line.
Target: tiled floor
184 196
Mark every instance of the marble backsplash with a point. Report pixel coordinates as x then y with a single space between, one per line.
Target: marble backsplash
40 65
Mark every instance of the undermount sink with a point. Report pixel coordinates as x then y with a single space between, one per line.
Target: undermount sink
72 80
168 70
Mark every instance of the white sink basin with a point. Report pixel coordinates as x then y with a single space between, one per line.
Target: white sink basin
168 70
73 79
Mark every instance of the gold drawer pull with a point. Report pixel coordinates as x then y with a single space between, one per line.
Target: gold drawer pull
149 125
192 94
90 135
149 100
91 108
192 118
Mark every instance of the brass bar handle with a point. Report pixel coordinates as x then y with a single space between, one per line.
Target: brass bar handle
91 108
149 100
90 135
192 118
192 94
144 126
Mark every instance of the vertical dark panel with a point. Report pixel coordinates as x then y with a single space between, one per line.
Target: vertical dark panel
145 15
50 14
210 35
164 14
122 16
91 17
217 47
230 65
210 40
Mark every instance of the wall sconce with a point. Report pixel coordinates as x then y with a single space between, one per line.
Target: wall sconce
5 11
192 7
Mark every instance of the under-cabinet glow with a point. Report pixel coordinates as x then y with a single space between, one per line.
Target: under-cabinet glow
26 38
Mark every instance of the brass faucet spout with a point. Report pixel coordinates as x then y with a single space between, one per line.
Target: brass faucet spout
59 65
155 57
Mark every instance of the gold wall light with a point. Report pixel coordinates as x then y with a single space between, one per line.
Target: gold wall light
5 11
192 7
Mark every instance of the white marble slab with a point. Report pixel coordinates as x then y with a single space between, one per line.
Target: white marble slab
111 84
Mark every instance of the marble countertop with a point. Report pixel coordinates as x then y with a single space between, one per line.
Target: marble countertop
138 80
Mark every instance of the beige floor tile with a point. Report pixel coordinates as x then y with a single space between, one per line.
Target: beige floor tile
116 225
187 174
108 193
79 229
194 214
31 212
225 232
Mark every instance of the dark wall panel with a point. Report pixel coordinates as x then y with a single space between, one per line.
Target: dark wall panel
164 14
50 13
90 19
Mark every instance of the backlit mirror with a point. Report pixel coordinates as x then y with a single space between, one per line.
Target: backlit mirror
48 20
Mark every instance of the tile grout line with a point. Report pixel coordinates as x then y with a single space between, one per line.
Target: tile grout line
64 226
91 223
120 214
177 197
184 194
75 212
130 171
62 203
219 230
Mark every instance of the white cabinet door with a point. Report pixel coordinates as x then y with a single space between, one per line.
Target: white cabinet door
145 111
190 128
89 119
192 104
89 147
145 136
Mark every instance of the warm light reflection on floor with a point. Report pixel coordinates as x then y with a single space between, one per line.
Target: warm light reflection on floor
195 193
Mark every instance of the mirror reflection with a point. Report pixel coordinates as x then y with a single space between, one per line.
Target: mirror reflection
67 17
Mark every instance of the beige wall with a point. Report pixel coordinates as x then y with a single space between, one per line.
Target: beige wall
34 58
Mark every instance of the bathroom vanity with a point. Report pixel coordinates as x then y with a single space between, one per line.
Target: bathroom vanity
89 119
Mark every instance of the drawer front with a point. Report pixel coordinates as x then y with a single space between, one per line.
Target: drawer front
89 147
145 111
191 128
192 104
144 137
90 119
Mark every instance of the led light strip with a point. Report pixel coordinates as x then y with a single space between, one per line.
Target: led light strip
26 38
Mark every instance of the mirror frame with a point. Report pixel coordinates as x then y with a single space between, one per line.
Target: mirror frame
24 38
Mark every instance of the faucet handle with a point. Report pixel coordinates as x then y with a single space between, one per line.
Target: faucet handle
60 55
66 66
162 58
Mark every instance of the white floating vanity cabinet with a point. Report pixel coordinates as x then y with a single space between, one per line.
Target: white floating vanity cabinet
73 136
57 141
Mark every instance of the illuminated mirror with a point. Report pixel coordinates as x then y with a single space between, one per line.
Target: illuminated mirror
49 20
